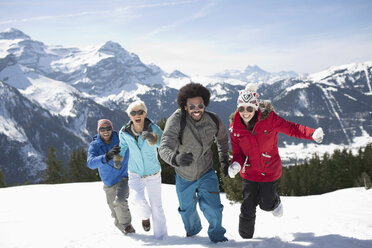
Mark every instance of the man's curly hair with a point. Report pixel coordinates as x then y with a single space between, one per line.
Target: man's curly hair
192 90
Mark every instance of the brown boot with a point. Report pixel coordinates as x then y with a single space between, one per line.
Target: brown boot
129 229
146 225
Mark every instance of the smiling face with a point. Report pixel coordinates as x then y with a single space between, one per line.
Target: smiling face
246 113
105 131
195 107
137 116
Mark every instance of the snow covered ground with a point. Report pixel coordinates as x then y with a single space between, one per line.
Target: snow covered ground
76 216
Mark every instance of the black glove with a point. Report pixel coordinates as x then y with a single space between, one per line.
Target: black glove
225 169
151 137
184 159
110 154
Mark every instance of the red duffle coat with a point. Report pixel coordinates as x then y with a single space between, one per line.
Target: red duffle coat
257 150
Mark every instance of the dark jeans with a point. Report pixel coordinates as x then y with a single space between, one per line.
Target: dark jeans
263 194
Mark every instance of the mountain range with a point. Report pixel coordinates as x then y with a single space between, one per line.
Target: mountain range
53 95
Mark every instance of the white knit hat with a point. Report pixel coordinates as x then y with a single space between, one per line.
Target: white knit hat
248 96
136 104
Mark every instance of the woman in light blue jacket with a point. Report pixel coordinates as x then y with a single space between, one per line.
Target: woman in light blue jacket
142 138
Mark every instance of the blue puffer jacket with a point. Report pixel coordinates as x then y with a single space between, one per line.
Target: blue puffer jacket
143 158
96 159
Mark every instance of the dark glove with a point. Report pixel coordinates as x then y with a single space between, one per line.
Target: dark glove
151 137
225 169
114 151
184 159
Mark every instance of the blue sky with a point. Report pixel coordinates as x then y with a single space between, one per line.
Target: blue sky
202 37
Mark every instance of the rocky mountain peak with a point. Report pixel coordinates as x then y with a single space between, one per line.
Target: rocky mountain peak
252 69
113 48
13 34
177 74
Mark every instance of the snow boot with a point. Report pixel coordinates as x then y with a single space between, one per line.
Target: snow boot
246 227
146 225
278 211
129 229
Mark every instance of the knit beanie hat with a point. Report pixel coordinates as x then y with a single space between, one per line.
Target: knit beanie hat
136 104
248 96
103 121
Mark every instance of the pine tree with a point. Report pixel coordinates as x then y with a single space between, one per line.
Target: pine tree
367 160
314 175
161 123
363 181
304 180
295 179
78 169
2 180
284 185
324 181
167 171
338 170
217 166
233 188
54 173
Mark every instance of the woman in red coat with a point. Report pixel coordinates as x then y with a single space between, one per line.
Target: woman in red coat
254 139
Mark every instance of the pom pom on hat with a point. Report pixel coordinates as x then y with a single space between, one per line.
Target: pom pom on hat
248 96
101 122
252 87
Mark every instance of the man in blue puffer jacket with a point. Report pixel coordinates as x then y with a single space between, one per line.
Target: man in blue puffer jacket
114 175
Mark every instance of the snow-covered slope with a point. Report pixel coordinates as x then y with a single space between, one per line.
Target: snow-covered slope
257 75
354 76
76 215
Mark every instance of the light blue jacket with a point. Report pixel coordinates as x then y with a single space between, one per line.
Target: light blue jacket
143 158
97 160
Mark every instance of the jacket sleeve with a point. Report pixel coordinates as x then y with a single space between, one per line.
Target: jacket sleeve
156 129
169 140
95 160
122 142
238 154
291 128
222 143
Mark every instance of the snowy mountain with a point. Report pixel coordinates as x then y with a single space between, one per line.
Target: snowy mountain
256 74
98 70
352 76
27 130
74 87
76 215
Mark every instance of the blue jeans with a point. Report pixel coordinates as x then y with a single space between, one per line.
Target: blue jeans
205 191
